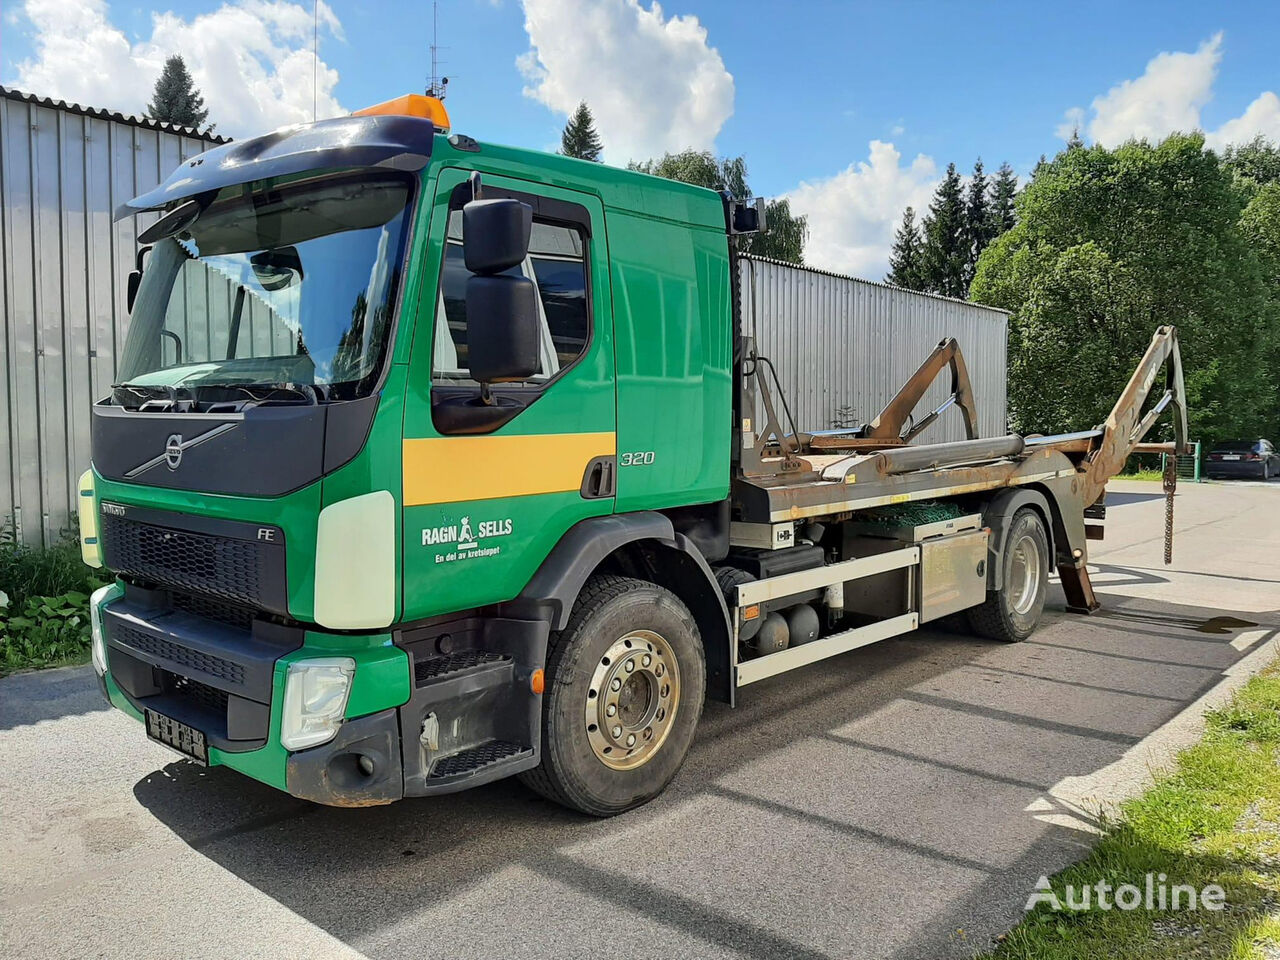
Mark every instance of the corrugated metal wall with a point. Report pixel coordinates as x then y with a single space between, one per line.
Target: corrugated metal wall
843 347
205 301
63 170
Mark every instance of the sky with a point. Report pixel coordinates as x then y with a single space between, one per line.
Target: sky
851 110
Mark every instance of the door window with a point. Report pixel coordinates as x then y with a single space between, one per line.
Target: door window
556 264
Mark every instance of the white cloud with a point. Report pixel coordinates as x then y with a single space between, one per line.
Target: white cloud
852 216
251 59
1260 117
1169 97
652 82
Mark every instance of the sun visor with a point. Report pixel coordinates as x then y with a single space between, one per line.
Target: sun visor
387 142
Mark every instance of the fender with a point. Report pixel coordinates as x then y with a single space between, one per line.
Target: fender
674 562
558 581
998 515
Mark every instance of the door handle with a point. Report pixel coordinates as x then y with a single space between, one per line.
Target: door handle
599 480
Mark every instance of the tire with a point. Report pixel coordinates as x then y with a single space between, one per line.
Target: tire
1012 613
728 579
583 766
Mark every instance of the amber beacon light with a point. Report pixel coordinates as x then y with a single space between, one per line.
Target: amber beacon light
410 105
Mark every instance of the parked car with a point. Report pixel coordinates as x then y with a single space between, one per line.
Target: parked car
1243 458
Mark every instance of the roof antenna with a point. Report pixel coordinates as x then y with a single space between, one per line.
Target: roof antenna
436 84
315 54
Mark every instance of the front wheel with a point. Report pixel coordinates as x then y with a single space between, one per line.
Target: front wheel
1013 612
625 682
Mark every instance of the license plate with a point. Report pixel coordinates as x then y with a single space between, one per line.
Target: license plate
186 740
1230 458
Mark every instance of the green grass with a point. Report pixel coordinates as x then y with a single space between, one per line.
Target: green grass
44 614
1215 818
1141 474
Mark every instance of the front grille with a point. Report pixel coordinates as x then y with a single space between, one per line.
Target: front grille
223 567
182 656
200 694
216 610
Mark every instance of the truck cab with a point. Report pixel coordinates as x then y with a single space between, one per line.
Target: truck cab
337 503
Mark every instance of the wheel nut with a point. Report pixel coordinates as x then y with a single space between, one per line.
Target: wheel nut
631 740
660 670
631 665
611 710
617 732
617 684
647 660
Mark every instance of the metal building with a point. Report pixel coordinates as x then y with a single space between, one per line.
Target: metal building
63 169
842 347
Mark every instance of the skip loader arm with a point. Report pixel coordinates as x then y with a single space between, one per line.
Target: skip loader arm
888 425
1126 426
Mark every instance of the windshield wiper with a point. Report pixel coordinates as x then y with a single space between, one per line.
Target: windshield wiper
166 396
264 392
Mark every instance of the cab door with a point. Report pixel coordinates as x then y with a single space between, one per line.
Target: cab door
489 489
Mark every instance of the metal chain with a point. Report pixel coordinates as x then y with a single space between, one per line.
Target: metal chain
1170 484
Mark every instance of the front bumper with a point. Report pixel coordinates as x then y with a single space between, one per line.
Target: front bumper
431 710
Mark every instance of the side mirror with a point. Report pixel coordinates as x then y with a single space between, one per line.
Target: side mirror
502 310
278 268
502 328
135 278
496 234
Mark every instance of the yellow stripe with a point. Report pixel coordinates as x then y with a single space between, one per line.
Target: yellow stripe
450 469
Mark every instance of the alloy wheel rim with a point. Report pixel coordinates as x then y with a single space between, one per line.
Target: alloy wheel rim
632 699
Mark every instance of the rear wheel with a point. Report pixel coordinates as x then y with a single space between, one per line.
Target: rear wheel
624 690
1013 612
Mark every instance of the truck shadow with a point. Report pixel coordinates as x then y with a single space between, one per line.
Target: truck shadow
870 805
1115 498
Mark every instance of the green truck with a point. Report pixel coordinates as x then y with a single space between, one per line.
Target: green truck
432 462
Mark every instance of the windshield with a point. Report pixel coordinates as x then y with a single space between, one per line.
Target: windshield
284 287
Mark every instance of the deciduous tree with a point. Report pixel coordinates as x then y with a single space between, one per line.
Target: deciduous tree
1111 244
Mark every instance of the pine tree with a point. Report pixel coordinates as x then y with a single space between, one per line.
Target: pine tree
1004 187
977 222
176 99
904 259
944 255
580 138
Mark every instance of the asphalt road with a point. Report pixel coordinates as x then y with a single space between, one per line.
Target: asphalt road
898 801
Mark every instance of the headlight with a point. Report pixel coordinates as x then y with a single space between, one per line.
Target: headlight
98 642
315 701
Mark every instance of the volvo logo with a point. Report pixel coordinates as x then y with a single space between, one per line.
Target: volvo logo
173 451
175 447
